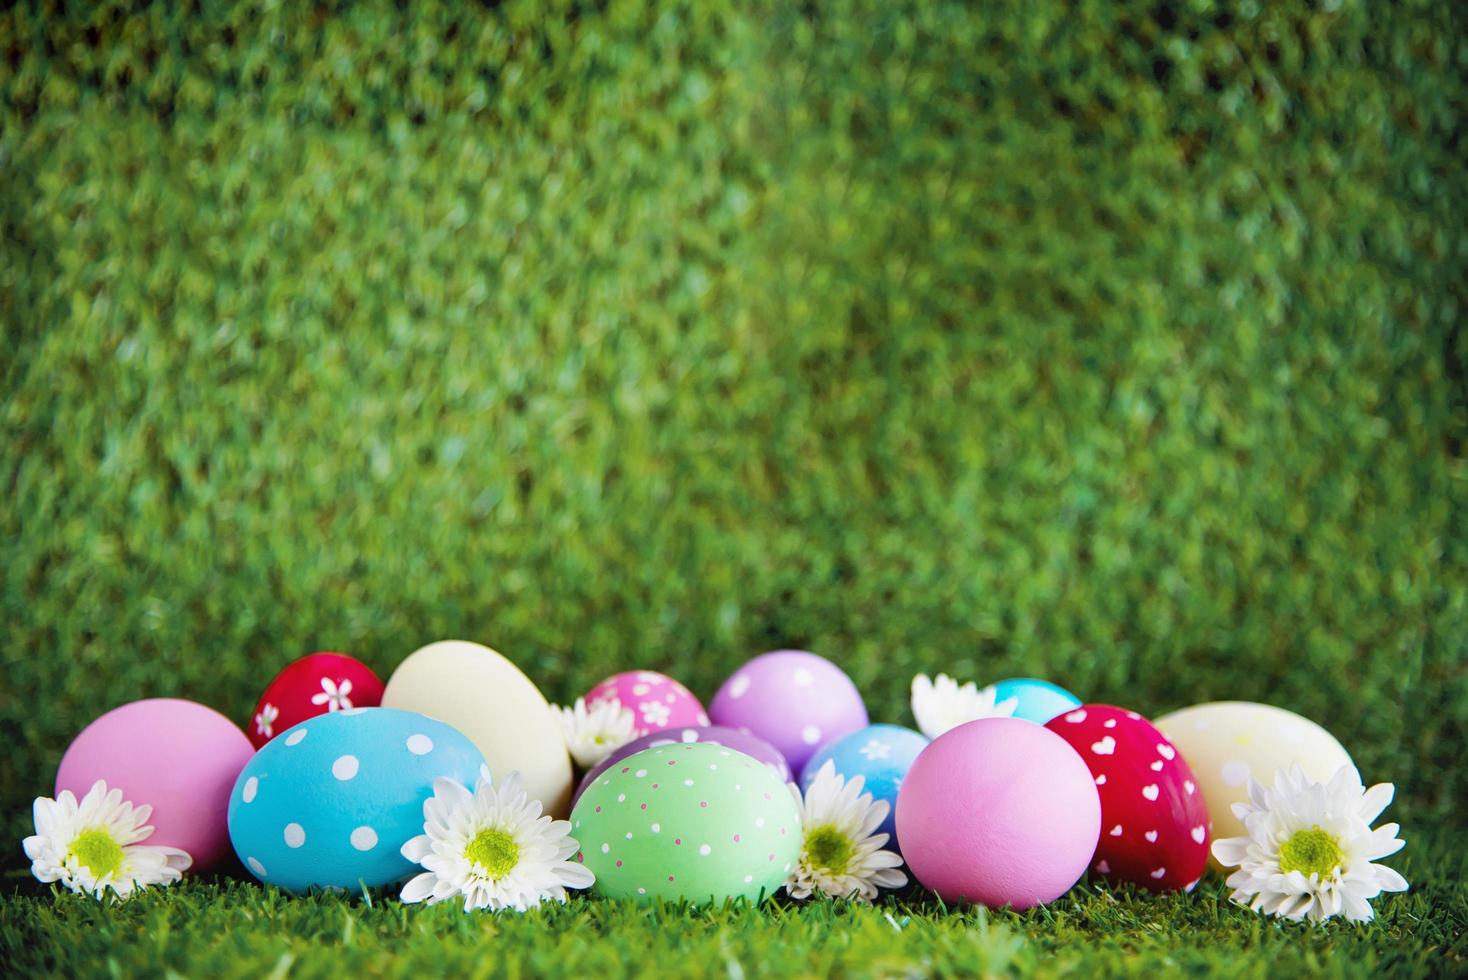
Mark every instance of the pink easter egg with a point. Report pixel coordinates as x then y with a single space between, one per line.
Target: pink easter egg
657 702
179 757
998 811
795 700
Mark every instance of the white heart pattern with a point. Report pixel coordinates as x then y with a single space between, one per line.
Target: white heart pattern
1101 779
1116 831
1103 868
1166 751
1076 717
1106 746
1109 723
1151 836
1157 766
1159 872
1199 833
1150 792
1188 785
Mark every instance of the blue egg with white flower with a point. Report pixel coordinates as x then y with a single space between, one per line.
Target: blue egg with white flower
1036 700
881 755
330 802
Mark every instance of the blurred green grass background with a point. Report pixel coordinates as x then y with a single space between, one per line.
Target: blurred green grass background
1115 343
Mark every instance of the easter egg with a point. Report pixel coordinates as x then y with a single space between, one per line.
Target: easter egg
316 684
796 701
330 802
1227 742
729 738
657 702
1038 700
1154 821
881 755
692 821
998 811
179 757
485 696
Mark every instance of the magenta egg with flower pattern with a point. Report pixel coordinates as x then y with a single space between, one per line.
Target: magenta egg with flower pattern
657 701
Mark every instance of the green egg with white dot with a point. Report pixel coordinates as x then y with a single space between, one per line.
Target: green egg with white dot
330 802
689 821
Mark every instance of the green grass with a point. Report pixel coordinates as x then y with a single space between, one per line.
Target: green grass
1114 342
231 929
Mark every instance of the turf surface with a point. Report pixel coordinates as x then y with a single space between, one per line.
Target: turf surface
239 930
1113 342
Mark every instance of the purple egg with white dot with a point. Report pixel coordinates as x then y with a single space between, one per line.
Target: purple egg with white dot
881 755
330 802
729 738
795 700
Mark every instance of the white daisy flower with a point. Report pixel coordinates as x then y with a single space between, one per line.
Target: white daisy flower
265 719
492 847
594 732
840 854
333 694
943 704
1309 847
95 847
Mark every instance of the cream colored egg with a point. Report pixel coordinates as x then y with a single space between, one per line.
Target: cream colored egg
1227 742
486 697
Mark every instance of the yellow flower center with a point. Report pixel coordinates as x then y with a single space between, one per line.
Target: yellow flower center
829 849
1312 851
98 851
495 851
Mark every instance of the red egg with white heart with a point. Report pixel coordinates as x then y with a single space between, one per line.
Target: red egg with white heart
1154 822
317 684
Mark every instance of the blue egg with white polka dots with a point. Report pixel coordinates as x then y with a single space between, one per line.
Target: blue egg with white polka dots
330 802
1036 700
881 754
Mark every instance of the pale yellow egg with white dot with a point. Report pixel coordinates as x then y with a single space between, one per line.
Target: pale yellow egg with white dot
486 697
1228 742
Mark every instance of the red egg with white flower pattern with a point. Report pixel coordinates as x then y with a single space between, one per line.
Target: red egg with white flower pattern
317 684
657 702
1154 822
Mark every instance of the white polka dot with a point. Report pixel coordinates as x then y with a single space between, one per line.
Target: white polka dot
810 734
705 850
629 835
687 782
713 765
345 767
657 828
294 738
256 866
252 786
364 838
420 744
640 773
690 735
803 677
640 689
1235 773
606 848
759 821
295 835
748 879
739 686
642 891
621 797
